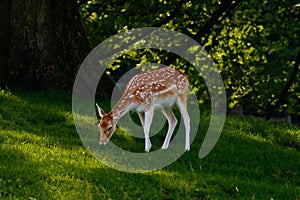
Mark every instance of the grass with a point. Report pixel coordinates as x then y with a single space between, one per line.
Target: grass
42 157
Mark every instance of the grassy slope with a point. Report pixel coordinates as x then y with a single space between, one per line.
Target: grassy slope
42 157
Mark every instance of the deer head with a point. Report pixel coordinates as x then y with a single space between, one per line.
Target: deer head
107 125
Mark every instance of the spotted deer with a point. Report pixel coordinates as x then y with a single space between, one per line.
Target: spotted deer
158 89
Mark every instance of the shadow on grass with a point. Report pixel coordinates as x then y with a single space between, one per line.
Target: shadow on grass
20 176
44 114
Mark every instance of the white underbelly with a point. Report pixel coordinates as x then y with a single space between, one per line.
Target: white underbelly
158 103
164 103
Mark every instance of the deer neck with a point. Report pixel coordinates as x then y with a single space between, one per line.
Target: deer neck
121 108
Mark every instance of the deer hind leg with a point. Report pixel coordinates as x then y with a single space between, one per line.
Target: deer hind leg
146 126
182 104
172 121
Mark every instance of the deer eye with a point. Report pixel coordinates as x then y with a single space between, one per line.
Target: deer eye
109 128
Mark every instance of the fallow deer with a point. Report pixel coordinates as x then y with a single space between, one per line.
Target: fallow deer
158 89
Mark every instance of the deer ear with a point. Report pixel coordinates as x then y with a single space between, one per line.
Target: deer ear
100 111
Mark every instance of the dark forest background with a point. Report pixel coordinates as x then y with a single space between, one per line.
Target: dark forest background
255 45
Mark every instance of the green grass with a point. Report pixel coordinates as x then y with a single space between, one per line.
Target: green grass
42 157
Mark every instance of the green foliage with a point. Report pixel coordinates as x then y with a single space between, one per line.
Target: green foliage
42 157
254 45
260 48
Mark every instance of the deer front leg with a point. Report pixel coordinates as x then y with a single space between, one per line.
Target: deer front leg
147 123
141 116
172 121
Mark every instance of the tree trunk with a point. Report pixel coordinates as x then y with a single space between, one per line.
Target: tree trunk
284 92
42 44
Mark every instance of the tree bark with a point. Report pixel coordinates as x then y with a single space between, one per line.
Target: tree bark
42 44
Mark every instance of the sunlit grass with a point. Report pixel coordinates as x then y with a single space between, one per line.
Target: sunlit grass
42 157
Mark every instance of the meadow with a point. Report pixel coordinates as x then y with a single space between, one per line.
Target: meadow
42 157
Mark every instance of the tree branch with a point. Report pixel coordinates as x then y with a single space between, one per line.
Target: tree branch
224 10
